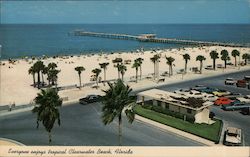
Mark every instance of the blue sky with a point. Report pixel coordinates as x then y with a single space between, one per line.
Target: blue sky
132 11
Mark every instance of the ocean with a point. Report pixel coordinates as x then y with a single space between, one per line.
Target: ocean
20 40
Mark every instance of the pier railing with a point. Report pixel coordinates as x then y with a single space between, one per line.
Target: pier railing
152 38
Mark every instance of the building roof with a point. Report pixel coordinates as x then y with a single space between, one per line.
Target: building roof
175 99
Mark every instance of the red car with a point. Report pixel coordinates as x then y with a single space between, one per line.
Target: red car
241 83
223 101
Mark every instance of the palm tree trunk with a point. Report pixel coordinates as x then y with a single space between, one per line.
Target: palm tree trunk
118 73
154 70
245 61
104 74
235 61
42 78
214 64
50 139
225 62
169 70
186 66
140 72
38 79
120 130
80 81
201 67
122 76
157 70
34 81
136 74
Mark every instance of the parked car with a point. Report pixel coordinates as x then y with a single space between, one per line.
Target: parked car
233 137
89 99
223 101
209 90
229 81
241 83
235 106
221 93
245 99
245 111
209 97
194 94
182 91
247 78
198 87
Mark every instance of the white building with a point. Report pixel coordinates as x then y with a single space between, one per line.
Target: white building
177 103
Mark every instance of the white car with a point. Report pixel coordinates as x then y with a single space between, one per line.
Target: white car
230 81
209 97
232 137
194 94
182 91
245 99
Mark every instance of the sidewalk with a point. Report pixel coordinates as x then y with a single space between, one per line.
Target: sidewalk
177 131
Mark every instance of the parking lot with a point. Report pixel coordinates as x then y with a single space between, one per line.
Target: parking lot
230 118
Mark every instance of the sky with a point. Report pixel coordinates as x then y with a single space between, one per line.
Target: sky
125 11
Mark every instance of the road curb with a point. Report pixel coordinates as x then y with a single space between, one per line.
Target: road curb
176 131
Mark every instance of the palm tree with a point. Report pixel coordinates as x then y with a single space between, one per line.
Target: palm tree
214 56
186 57
122 69
104 67
97 72
52 76
140 60
117 99
52 65
32 72
169 62
47 111
136 65
79 69
201 59
155 59
225 57
235 53
44 71
246 57
38 67
117 62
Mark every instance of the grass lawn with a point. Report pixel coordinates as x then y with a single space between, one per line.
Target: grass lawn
210 132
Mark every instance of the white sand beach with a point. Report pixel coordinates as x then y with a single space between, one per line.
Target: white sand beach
16 83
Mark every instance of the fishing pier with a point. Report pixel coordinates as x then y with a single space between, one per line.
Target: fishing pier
153 38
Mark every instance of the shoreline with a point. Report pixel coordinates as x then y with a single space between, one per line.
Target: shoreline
16 81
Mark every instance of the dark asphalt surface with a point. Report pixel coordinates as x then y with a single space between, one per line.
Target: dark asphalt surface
231 118
82 126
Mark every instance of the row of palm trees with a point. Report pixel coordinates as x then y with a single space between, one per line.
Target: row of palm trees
118 63
40 69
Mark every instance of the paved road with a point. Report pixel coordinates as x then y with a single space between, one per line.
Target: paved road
82 126
232 118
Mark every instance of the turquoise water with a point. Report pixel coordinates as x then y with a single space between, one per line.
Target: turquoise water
36 40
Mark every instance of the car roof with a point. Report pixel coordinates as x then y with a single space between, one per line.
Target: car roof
233 130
